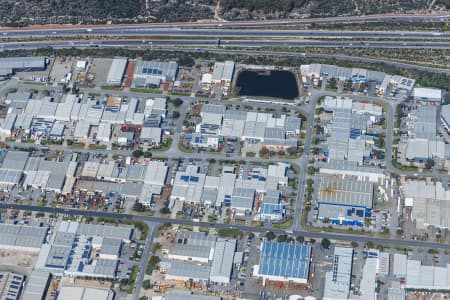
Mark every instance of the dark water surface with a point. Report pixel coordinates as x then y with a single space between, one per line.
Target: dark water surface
275 84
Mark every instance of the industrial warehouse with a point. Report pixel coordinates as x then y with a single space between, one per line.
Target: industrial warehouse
86 121
135 178
191 248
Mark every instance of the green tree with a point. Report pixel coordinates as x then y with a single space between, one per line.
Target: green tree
369 245
332 83
429 163
176 102
348 85
300 239
270 236
282 238
165 210
354 244
137 153
138 206
325 243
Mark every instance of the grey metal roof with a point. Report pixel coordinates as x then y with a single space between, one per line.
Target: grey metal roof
445 113
337 281
335 212
64 239
105 231
20 63
425 126
213 109
22 235
10 176
57 175
58 257
15 160
196 238
292 123
166 70
36 286
345 192
271 196
285 260
235 115
116 71
190 250
228 70
105 267
274 133
136 172
243 198
189 270
177 295
223 259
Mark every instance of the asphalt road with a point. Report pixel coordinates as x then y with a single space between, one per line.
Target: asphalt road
259 33
144 261
224 43
437 17
316 235
312 55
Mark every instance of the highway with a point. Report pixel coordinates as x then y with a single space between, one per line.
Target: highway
177 32
158 220
408 18
285 43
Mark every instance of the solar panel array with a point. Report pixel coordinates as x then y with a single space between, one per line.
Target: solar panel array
285 260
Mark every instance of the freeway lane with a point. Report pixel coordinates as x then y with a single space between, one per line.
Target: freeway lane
313 55
152 31
316 235
224 43
438 17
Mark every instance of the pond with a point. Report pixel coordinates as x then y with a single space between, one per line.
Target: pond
274 84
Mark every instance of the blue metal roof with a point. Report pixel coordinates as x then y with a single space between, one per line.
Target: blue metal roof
271 208
285 260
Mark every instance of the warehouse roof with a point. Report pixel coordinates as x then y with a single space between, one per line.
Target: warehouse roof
117 70
105 267
345 192
243 198
64 238
445 113
36 286
84 293
10 176
272 196
104 230
15 160
196 238
111 246
228 70
427 94
58 257
285 260
33 62
22 236
399 265
223 259
425 125
156 173
218 71
190 251
271 209
166 70
177 295
151 134
337 281
188 270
